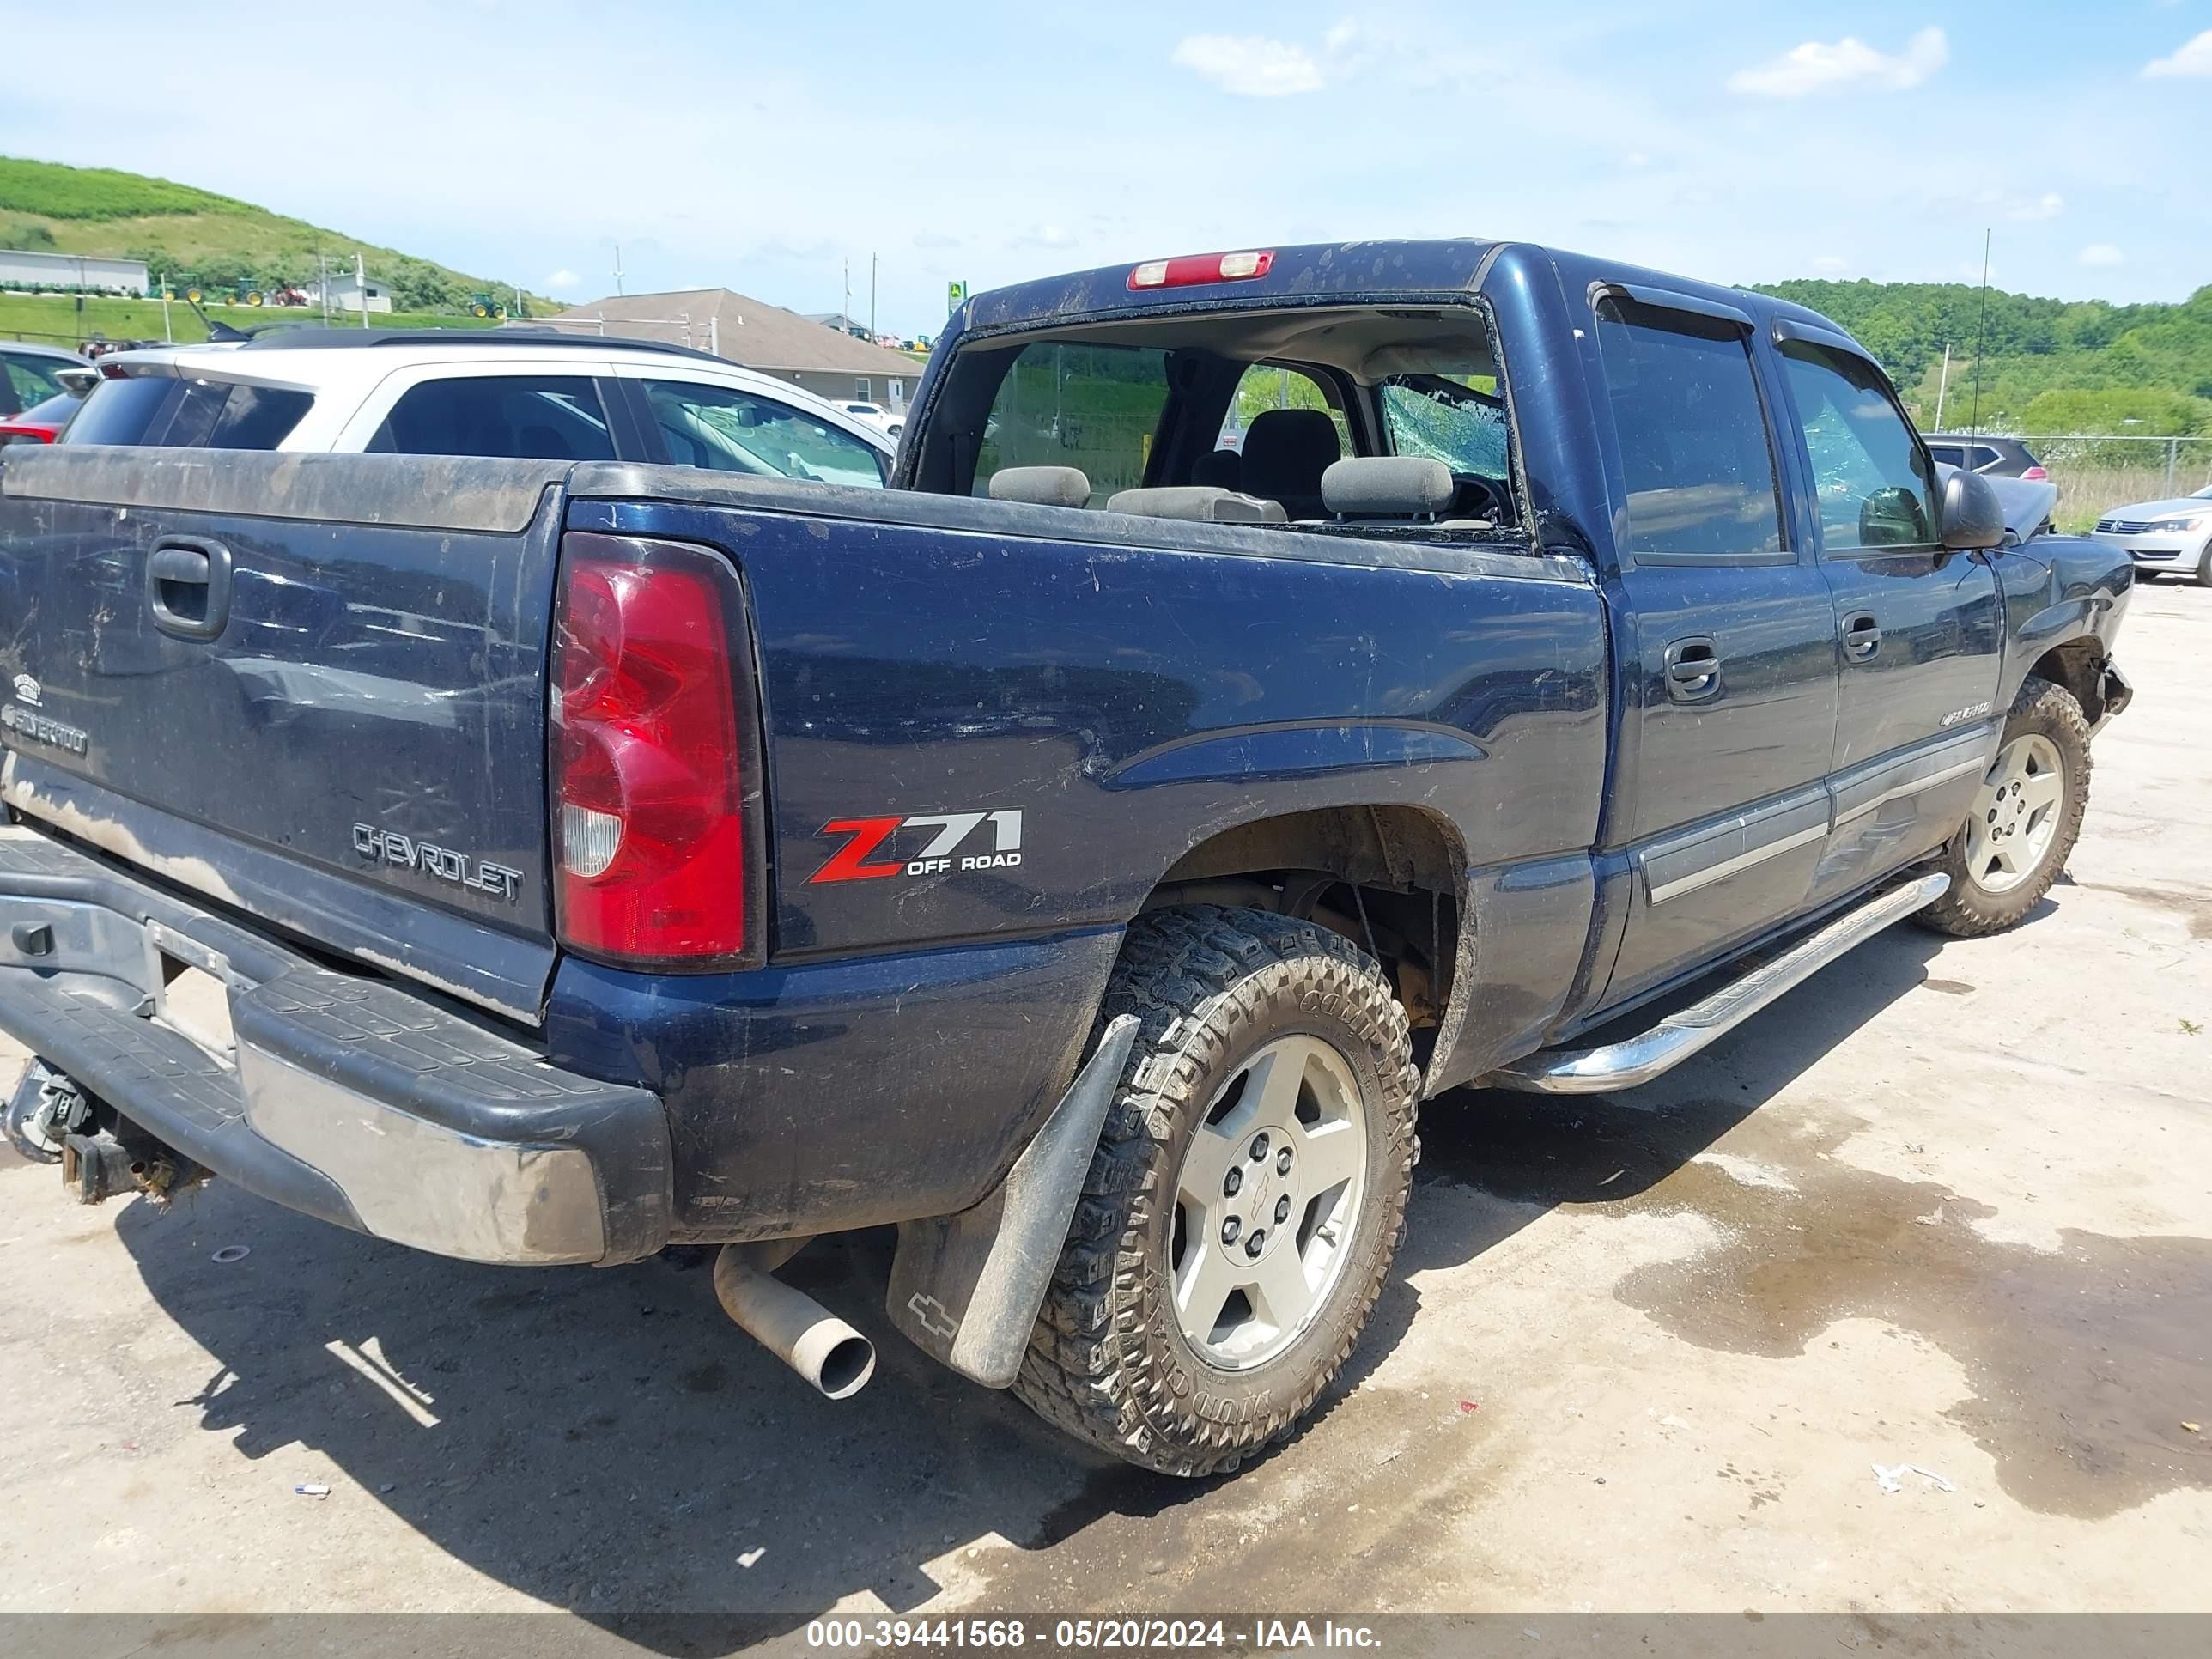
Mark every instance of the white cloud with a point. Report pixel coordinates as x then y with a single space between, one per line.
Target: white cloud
562 279
1250 66
2048 205
1822 66
2191 57
1828 264
2102 253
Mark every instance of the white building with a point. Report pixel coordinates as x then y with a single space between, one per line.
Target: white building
21 268
346 291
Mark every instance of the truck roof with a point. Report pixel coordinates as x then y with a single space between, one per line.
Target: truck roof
1303 273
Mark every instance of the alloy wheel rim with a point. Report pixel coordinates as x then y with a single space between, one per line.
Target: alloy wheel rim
2015 816
1267 1201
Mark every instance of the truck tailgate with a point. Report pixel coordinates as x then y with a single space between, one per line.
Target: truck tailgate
311 686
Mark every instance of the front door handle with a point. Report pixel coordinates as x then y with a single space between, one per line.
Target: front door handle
188 587
1694 669
1861 639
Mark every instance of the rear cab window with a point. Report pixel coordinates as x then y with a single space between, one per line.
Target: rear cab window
167 412
1256 404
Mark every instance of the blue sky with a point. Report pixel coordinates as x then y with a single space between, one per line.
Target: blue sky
762 146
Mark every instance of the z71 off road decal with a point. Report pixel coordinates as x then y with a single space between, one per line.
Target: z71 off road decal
858 859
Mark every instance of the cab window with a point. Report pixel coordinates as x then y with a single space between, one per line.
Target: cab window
1698 466
1875 487
1094 407
1263 386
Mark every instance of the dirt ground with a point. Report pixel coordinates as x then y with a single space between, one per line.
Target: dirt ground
1947 1206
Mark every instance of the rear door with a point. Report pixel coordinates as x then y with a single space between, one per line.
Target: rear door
1732 685
310 686
1920 627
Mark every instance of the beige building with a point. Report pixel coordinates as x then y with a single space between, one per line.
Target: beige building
827 362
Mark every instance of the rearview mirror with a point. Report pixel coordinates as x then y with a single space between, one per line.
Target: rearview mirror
1973 517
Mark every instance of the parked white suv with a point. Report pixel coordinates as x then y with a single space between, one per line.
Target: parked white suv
494 391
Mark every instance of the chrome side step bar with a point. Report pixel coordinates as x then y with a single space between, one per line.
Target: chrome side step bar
1646 1055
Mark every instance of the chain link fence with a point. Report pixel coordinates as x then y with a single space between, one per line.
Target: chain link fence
2096 472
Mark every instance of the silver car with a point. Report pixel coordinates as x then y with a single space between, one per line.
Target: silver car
2171 535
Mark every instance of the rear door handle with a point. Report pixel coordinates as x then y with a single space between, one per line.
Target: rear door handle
1694 669
1861 639
188 587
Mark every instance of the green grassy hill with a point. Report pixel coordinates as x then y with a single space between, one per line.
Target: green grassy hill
199 238
2047 365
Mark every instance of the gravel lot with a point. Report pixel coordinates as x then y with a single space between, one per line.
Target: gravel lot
1947 1205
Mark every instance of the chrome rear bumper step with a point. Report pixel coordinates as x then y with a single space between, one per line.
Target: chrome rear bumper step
1639 1059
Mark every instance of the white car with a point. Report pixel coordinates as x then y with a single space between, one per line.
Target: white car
891 421
494 392
2170 535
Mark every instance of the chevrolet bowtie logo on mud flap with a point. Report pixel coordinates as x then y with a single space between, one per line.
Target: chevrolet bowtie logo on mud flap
863 837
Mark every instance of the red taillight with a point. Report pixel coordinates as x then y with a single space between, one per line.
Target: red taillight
1194 268
2035 473
649 836
15 432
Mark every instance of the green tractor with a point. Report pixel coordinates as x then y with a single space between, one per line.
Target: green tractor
483 305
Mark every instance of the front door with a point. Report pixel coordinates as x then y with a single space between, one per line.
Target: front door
1731 721
1920 627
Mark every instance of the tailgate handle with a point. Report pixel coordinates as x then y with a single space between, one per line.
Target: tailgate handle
188 587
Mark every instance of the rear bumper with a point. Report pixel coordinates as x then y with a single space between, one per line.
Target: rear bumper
352 1099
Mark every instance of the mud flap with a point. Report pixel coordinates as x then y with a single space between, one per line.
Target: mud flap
966 1288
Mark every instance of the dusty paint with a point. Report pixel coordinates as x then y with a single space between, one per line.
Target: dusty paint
111 836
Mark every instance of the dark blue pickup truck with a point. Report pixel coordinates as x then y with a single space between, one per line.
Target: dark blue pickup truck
1282 686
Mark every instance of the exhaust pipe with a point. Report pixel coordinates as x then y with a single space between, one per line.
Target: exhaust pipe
789 1323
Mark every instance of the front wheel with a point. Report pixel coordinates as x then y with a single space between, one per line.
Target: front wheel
2026 817
1246 1199
2205 568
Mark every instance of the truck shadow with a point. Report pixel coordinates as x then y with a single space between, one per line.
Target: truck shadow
607 1443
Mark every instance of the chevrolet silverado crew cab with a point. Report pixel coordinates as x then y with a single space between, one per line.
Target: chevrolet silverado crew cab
1279 688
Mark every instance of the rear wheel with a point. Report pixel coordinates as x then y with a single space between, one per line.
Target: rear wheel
1246 1198
2025 820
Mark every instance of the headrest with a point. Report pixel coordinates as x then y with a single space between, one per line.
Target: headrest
1223 468
1292 443
1042 486
1387 487
1205 503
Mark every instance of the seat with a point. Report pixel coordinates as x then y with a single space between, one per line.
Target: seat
1040 486
1222 469
1199 503
1286 452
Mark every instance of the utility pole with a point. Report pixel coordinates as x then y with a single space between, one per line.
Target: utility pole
618 287
168 334
847 314
872 299
1982 334
1942 385
360 285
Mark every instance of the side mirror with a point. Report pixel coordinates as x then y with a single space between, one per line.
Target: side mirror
1973 517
